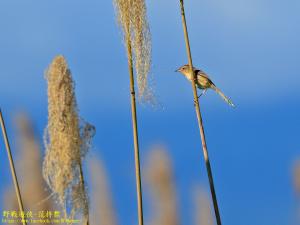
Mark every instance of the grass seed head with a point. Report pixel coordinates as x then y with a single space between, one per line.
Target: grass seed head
102 210
29 165
296 177
132 17
203 215
160 178
66 139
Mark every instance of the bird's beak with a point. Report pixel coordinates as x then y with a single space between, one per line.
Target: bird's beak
177 70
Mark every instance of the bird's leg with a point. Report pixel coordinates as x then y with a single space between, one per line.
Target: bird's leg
202 93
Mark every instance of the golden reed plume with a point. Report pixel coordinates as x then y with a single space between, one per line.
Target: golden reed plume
102 211
203 214
160 178
296 182
29 165
132 17
66 141
296 176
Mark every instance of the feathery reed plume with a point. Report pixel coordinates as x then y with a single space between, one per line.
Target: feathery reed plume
199 117
67 140
142 49
160 178
296 176
29 164
296 182
12 166
132 19
202 206
102 212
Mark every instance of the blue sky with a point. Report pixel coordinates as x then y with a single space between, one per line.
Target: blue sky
250 49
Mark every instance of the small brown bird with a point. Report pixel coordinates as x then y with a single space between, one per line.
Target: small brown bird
203 81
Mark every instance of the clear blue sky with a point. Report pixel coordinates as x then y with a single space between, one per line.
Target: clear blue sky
250 48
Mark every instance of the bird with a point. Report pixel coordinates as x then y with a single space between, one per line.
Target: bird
202 82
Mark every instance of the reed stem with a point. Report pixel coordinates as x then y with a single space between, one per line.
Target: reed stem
135 134
12 167
199 117
87 222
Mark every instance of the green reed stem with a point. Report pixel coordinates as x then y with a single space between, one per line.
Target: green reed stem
12 167
135 135
199 117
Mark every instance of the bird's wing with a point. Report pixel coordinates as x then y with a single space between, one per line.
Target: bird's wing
200 73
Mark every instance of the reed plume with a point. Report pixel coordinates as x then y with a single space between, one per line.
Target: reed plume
296 176
199 116
296 184
29 163
67 140
160 178
132 18
202 206
131 15
102 211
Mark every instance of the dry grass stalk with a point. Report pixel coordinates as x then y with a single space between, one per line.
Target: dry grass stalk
199 117
12 166
132 19
203 210
30 166
66 140
102 212
160 177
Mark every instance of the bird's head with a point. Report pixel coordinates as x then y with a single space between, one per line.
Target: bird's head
185 69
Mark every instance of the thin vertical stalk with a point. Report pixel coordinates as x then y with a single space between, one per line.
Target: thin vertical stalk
135 134
12 167
199 117
87 222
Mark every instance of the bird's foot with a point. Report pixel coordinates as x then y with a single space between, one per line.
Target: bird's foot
195 102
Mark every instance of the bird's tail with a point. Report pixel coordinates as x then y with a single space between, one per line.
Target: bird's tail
226 99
